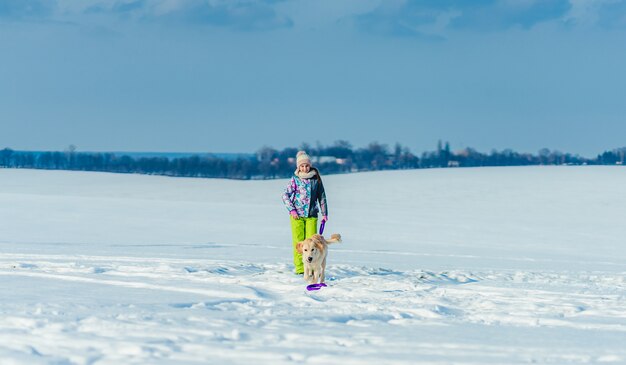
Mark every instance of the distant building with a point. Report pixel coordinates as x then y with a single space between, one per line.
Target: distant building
325 159
321 160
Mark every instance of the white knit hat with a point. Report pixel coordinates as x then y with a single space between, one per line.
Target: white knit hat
301 158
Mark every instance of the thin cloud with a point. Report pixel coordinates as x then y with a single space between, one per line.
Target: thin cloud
26 9
612 14
601 14
239 15
419 17
504 14
422 19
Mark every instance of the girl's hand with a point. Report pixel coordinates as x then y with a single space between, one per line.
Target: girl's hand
294 214
325 218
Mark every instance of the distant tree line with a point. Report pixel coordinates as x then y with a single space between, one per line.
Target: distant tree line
270 163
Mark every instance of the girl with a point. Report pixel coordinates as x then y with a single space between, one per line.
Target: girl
304 191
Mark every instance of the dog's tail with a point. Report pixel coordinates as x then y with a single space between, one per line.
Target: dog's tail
335 237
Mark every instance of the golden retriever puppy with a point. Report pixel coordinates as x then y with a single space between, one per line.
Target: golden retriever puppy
314 251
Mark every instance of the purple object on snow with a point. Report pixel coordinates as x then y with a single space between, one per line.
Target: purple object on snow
322 226
315 286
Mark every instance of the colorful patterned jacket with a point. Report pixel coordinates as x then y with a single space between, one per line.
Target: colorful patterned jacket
302 195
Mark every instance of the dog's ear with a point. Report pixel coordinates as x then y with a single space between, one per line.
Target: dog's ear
299 248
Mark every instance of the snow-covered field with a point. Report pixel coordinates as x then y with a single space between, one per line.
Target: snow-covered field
444 266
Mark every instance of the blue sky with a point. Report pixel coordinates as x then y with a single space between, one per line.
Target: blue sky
233 76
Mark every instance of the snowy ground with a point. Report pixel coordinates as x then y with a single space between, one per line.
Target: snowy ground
454 266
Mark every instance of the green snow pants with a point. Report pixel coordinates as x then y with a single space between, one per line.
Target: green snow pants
301 229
